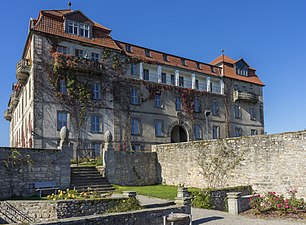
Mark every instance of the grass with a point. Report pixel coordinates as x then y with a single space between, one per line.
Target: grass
159 191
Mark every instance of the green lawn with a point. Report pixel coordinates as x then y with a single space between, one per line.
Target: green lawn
158 191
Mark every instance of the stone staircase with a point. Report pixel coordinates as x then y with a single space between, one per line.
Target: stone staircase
83 178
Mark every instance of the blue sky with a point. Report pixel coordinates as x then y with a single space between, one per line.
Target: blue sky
269 35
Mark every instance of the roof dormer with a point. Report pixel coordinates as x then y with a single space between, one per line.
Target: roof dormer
77 23
242 68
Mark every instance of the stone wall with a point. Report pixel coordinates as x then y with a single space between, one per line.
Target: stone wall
37 211
269 163
131 168
47 165
140 217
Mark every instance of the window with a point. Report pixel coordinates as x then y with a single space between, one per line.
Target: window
73 27
157 101
61 120
237 111
252 114
96 147
164 78
238 132
147 53
159 128
236 87
62 49
133 69
198 65
135 126
96 91
254 132
216 132
183 61
197 84
181 81
84 30
243 89
128 48
196 104
146 74
178 104
172 79
134 96
63 87
197 131
79 53
96 124
214 108
165 57
95 56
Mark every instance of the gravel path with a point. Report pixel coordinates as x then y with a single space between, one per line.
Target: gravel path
213 217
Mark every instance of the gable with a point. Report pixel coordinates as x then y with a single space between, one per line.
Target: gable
78 16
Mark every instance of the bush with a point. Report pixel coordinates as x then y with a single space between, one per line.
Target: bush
201 199
74 194
273 202
125 205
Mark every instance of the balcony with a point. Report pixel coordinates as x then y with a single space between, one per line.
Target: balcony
8 115
23 70
245 97
15 98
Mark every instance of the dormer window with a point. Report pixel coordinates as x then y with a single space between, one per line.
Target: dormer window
198 65
73 27
242 68
183 61
165 57
84 30
147 53
79 29
128 48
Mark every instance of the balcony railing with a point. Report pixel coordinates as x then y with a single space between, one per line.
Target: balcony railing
23 70
245 96
8 115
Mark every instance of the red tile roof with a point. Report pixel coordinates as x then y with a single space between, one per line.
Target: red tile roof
51 22
230 71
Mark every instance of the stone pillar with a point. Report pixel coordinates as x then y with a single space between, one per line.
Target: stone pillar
222 87
159 71
108 147
193 81
233 201
183 198
141 71
177 77
208 84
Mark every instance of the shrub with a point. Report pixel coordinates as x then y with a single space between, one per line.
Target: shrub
201 199
74 194
125 205
273 202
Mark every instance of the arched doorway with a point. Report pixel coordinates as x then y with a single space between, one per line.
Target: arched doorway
178 134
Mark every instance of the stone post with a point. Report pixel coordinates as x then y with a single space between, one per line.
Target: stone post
108 147
183 198
233 201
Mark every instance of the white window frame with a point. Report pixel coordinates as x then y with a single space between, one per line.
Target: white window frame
74 26
237 112
80 51
135 126
134 96
159 128
133 69
96 91
163 78
61 119
157 101
95 56
85 29
96 123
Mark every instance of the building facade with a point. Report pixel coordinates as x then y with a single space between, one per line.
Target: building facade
72 73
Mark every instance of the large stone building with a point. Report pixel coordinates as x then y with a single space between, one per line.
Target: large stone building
142 96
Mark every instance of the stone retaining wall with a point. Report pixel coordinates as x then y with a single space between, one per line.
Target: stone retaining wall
140 217
131 168
48 165
269 163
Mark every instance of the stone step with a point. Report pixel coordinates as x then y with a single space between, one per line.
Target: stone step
88 179
101 189
91 186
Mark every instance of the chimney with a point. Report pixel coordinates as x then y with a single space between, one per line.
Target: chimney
69 5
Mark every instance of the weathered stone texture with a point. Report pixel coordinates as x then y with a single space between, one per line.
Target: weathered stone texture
131 168
270 162
48 165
